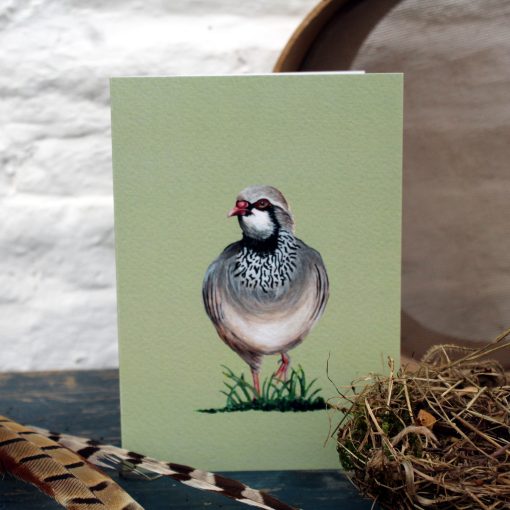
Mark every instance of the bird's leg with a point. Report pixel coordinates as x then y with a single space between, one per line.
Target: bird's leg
281 373
256 381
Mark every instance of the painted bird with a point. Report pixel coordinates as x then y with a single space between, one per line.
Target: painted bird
265 292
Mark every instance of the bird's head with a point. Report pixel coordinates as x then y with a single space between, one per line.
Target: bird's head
262 211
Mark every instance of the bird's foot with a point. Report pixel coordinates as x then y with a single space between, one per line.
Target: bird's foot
256 384
281 373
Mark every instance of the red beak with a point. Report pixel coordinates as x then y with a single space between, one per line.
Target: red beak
237 211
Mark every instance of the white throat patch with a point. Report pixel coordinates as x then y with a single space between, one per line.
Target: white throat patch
258 225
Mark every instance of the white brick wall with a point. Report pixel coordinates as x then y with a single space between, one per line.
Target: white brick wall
57 277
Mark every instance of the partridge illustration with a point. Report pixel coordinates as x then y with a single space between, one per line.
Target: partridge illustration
265 292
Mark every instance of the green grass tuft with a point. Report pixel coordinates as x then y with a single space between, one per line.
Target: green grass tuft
294 394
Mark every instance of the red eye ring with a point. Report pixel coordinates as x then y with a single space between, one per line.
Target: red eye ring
263 203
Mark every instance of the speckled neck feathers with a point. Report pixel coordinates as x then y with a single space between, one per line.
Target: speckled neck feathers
267 265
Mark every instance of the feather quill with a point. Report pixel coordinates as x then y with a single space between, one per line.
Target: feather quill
64 467
108 456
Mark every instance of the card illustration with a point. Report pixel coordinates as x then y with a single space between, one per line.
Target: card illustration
265 293
232 329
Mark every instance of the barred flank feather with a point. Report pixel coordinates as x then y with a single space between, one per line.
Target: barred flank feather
110 456
57 471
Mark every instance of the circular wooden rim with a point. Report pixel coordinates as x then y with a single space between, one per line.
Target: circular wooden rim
291 60
295 50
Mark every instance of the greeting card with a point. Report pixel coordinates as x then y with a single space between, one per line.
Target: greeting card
258 259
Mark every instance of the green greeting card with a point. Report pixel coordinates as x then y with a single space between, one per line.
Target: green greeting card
258 236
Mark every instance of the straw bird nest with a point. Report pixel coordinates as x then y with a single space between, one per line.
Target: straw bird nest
435 438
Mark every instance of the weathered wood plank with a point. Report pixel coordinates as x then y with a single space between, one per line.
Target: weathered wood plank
87 403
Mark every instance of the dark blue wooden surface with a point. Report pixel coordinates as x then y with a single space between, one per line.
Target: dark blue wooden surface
87 403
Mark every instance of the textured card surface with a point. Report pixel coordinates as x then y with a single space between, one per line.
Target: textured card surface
224 351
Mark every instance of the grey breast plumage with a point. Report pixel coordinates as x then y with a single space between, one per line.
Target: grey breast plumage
264 295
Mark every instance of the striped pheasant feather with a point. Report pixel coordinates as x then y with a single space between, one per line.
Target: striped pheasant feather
108 456
57 471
